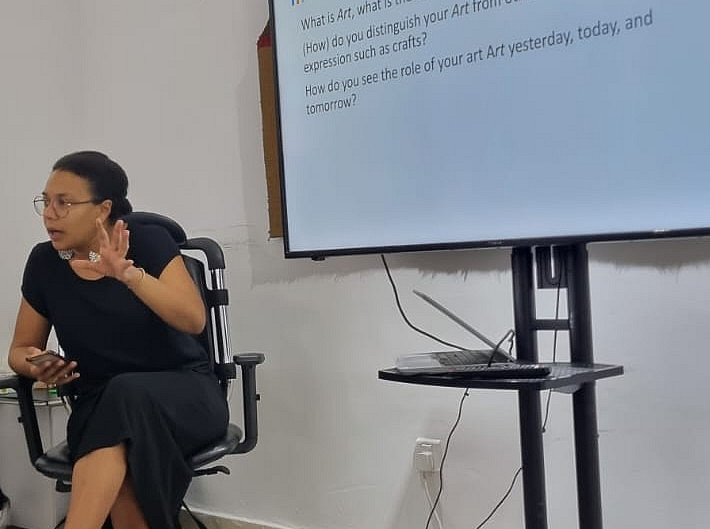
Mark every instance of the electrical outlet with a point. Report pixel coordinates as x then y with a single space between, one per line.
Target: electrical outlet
427 454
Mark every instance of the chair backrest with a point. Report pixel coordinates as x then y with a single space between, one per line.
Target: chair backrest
202 256
196 269
215 336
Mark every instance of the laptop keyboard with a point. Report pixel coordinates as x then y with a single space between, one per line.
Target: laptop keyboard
462 358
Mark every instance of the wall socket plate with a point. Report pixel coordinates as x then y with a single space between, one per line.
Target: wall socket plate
427 454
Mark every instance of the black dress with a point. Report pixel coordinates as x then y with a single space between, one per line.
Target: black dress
142 382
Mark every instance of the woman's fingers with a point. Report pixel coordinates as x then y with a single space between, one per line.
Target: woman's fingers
123 239
65 378
113 248
57 372
66 371
49 369
116 234
118 240
104 239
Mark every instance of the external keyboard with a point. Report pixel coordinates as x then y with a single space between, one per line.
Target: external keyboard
501 370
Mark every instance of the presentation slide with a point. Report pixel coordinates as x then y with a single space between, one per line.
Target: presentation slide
426 122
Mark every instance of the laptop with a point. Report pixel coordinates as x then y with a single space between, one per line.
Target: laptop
482 363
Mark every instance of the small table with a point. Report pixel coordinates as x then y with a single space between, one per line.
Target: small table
34 499
40 396
562 375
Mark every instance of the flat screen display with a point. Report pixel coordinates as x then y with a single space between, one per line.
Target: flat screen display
429 124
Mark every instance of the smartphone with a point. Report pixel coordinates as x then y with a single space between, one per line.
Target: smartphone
43 357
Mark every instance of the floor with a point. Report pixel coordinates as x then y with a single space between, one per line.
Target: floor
210 521
215 523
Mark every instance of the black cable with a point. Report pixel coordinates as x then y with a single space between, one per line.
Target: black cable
465 393
554 351
406 320
502 500
443 458
495 349
463 397
547 412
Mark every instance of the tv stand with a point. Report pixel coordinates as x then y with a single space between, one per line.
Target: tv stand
580 374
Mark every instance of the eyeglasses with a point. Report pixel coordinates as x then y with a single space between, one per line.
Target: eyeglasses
61 206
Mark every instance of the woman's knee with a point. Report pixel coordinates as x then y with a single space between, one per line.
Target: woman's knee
101 455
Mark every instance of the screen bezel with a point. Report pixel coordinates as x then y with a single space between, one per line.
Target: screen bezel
541 240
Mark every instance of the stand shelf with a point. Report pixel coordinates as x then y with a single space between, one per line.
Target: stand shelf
562 375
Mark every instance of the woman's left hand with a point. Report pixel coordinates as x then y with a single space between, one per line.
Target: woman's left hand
112 253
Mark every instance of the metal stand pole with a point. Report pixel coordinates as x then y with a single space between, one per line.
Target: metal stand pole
586 435
529 401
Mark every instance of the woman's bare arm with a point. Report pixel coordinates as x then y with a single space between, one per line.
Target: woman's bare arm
30 339
173 296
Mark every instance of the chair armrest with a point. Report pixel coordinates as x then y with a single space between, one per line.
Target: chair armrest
28 416
248 363
249 359
8 381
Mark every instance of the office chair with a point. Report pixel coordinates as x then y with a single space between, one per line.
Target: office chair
55 462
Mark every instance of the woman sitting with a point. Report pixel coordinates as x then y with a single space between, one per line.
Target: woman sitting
125 311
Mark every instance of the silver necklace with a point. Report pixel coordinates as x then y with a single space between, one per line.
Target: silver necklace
65 255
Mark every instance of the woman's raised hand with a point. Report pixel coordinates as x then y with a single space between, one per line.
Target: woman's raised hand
113 248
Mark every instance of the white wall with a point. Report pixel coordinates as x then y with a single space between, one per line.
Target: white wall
169 88
38 102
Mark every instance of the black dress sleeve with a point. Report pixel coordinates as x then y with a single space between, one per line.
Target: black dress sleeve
36 271
152 248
